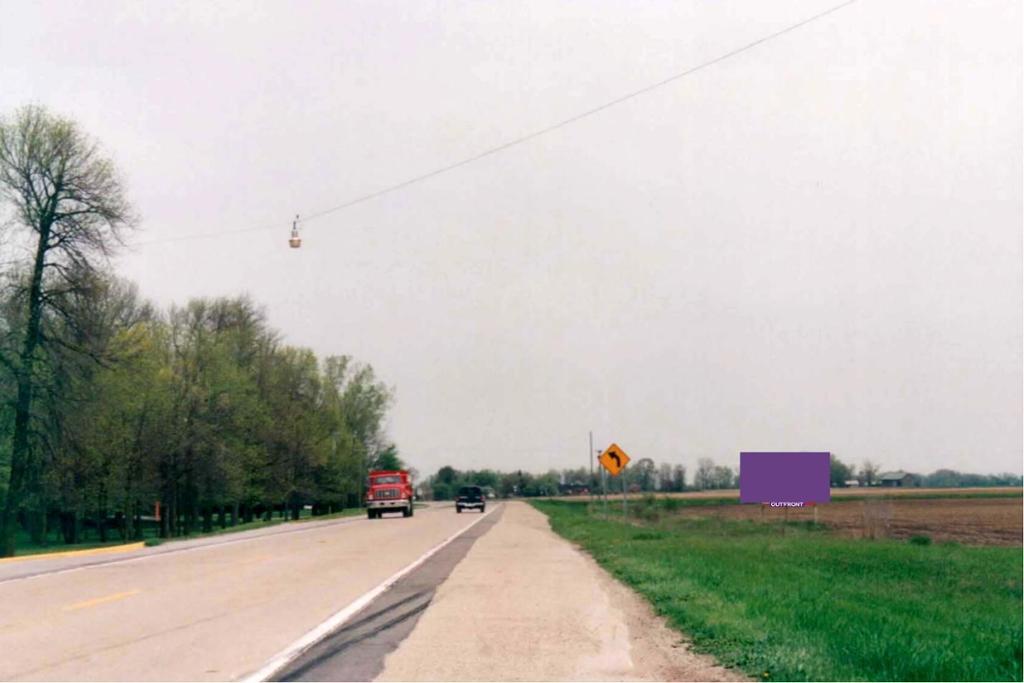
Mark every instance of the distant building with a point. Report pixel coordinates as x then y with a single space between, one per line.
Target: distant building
897 478
576 488
851 482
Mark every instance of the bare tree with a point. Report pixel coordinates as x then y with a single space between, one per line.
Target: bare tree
664 477
644 473
868 473
679 478
704 477
722 477
71 202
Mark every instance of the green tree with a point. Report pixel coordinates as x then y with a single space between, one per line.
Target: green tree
97 444
69 200
839 471
387 459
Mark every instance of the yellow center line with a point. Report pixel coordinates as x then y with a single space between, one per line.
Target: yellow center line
104 550
102 600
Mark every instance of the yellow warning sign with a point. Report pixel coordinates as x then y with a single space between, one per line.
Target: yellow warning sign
614 459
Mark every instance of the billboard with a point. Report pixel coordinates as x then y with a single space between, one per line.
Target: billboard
787 479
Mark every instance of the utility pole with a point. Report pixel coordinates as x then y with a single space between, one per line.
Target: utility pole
590 482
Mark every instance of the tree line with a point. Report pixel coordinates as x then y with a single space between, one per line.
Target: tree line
869 473
644 475
115 413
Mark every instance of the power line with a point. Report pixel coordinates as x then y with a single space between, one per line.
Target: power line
529 136
208 235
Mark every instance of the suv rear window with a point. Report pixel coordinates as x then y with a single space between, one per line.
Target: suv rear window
469 491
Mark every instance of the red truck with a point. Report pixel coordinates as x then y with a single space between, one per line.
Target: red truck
388 491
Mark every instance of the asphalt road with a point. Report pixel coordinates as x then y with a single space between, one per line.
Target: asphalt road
34 565
470 597
356 652
210 611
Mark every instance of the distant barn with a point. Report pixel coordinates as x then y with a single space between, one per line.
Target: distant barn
898 478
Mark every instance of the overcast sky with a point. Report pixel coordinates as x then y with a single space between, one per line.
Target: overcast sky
813 245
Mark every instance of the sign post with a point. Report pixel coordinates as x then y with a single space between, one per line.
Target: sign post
614 460
625 505
604 490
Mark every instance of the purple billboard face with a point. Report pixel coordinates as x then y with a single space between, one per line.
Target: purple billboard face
784 478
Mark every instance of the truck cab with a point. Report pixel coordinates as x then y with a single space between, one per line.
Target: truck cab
388 491
470 497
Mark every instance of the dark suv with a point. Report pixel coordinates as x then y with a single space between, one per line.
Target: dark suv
470 497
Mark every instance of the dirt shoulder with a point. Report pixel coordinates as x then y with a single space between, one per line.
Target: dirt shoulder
525 604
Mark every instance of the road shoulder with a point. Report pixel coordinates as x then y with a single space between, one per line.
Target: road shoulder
356 651
524 604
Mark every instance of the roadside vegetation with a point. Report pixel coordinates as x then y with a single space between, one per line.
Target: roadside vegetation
793 602
120 420
151 534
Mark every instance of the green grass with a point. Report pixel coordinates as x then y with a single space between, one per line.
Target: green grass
792 602
260 524
24 545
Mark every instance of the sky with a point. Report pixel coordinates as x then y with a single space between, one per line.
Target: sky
814 244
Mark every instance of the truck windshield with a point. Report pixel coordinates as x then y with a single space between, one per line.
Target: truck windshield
391 479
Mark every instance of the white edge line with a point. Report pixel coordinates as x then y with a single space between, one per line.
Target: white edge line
318 633
313 526
175 551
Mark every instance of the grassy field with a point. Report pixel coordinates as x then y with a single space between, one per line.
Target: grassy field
25 547
794 602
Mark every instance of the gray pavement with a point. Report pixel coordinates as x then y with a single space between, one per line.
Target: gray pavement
218 610
356 652
25 568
